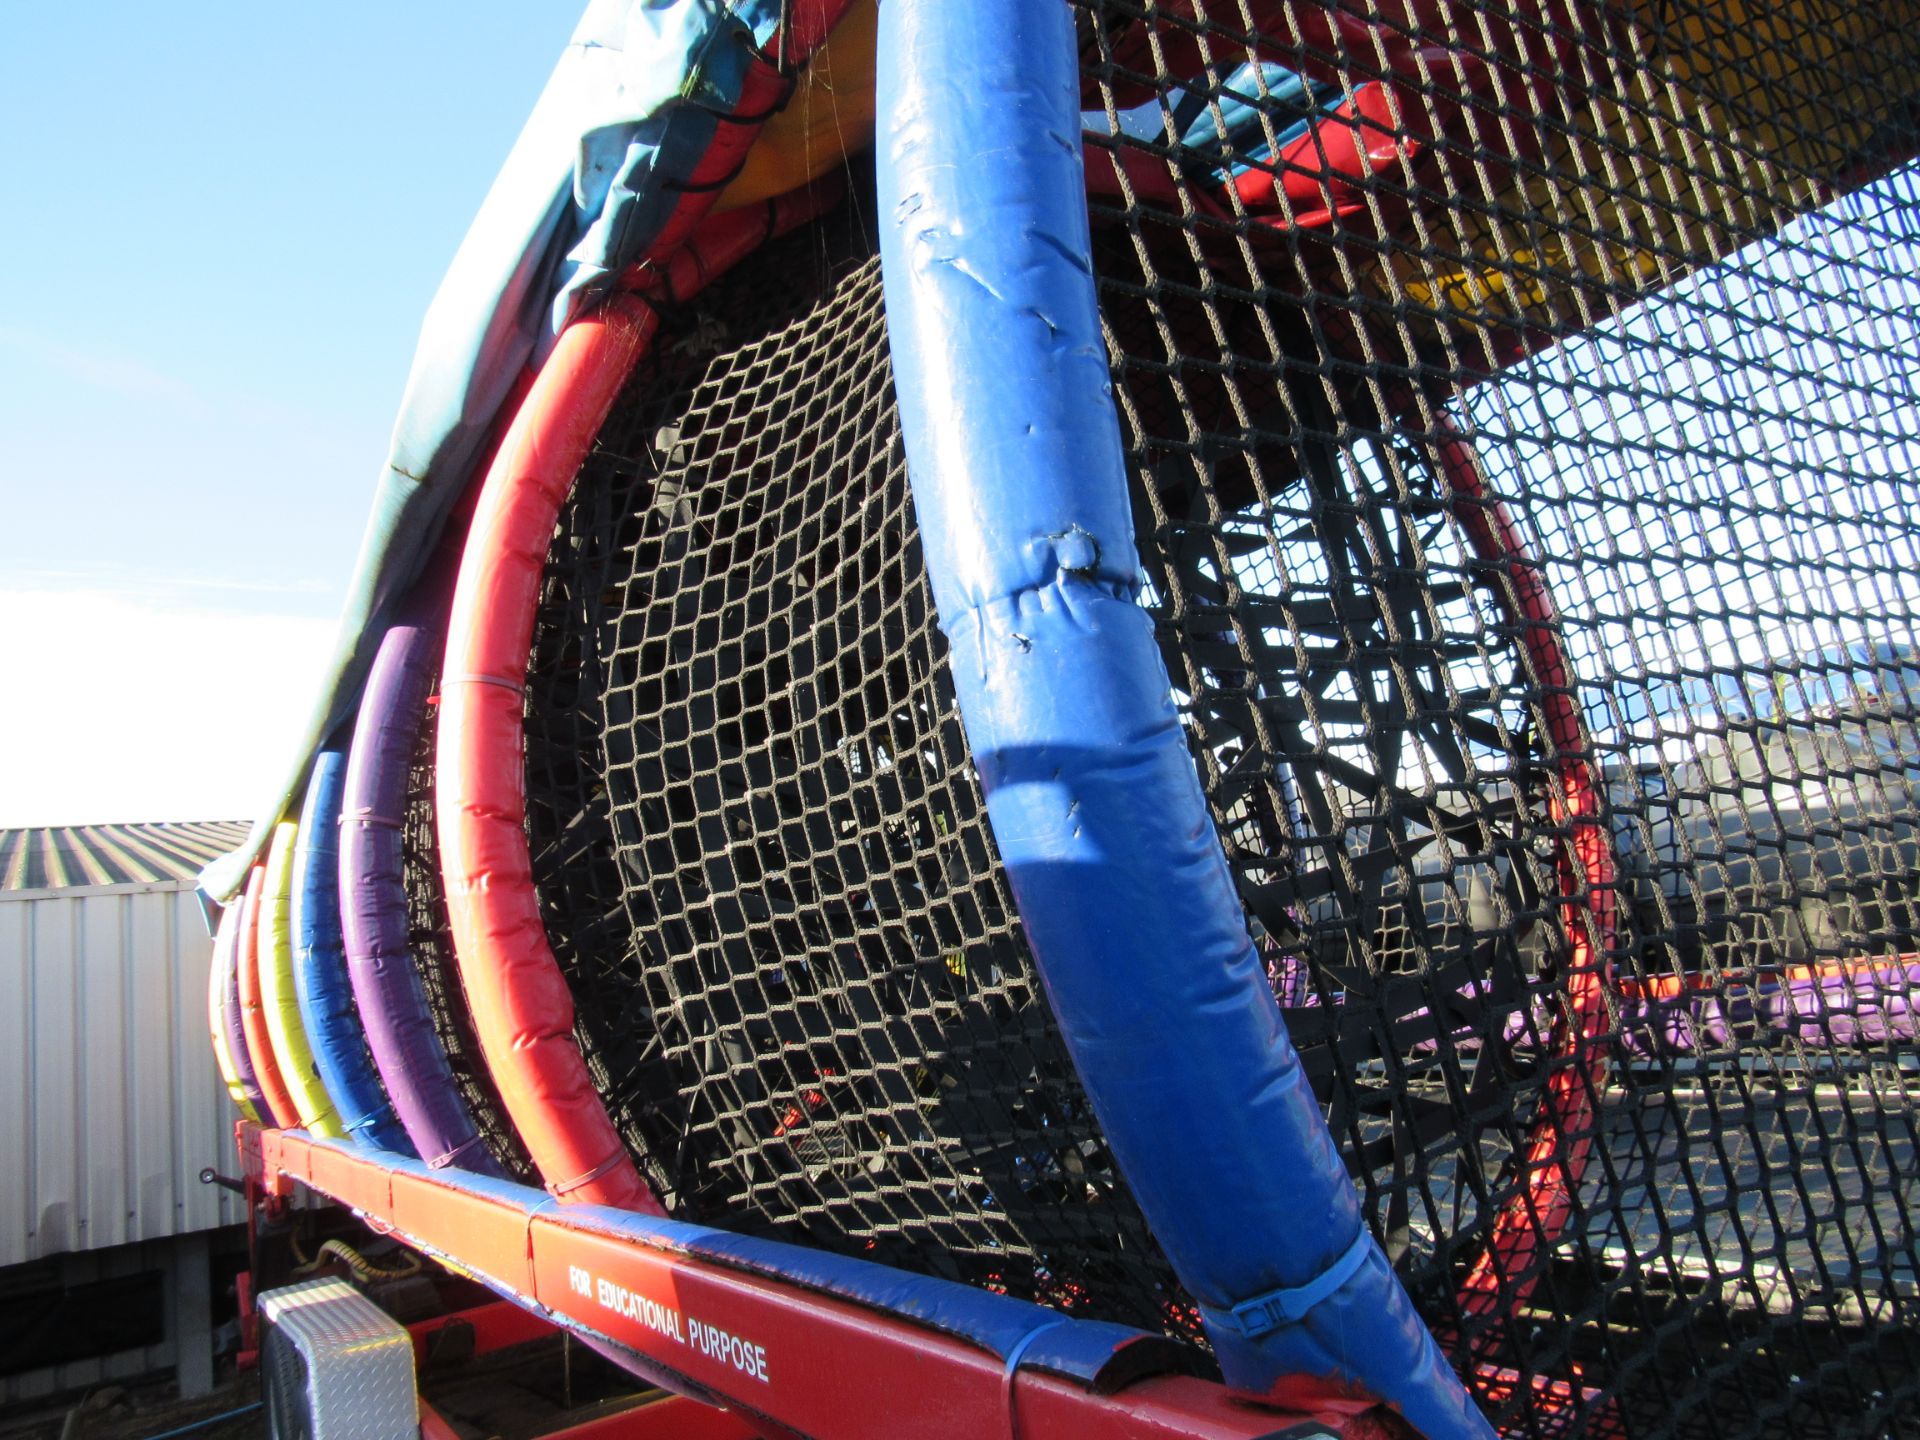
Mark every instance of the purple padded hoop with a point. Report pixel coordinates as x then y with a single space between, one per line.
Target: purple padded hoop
373 901
227 957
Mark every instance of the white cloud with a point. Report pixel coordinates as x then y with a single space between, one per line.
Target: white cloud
121 707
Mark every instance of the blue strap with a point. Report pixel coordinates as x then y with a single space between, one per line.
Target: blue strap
1014 1357
1019 1351
1266 1313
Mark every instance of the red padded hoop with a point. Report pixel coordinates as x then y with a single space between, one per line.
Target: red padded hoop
253 1015
522 1009
1562 1139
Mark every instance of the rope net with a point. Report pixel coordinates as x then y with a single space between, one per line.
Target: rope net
1521 417
757 834
1525 495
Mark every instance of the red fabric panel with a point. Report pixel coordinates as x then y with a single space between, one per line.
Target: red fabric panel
808 24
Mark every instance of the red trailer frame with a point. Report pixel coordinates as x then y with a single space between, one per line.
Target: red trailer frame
781 1357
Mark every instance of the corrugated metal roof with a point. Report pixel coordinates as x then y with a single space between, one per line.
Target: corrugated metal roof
62 857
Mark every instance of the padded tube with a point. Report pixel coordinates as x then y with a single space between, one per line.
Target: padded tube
219 986
387 989
235 1020
320 980
1095 1353
1139 937
278 998
522 1010
280 1110
1562 1140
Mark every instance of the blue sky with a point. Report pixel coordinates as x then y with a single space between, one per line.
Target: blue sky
222 225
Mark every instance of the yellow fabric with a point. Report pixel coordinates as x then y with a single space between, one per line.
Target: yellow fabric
829 117
1731 121
1808 86
1736 121
278 997
223 944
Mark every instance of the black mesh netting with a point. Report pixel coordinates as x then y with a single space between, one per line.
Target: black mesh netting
1529 510
430 945
1524 483
758 838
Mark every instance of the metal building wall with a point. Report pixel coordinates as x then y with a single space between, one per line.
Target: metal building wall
110 1103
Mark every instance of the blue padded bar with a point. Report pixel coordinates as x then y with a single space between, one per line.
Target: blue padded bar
1096 1354
320 980
1021 492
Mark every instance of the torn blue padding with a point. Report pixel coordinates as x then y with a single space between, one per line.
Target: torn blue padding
1021 493
625 117
1095 1353
320 980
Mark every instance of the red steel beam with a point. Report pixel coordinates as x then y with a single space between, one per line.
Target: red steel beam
783 1357
671 1417
433 1425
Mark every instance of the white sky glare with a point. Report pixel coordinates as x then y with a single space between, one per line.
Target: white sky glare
131 705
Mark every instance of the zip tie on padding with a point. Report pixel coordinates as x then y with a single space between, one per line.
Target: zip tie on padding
450 1160
1264 1314
561 1189
1019 1351
518 687
1014 1357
